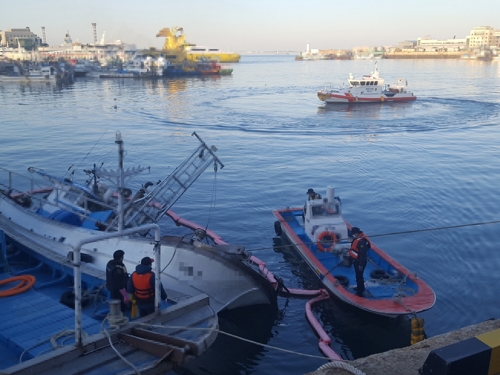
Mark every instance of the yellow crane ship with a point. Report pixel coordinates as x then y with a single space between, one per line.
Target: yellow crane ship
177 50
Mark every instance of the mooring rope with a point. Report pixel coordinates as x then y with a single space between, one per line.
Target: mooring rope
342 365
238 338
391 233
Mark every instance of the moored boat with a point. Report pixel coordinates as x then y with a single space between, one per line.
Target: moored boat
367 89
178 50
323 238
14 73
62 212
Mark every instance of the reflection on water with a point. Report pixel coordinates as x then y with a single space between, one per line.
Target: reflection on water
229 355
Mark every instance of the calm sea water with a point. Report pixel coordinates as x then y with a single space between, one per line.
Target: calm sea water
430 164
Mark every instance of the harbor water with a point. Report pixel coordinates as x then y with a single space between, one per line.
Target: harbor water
421 179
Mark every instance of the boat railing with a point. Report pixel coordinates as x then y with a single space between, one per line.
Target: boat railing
331 87
15 182
31 192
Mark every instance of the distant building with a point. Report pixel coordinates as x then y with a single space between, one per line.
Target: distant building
427 44
20 37
482 37
407 44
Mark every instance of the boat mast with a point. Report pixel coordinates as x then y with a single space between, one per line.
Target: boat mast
119 141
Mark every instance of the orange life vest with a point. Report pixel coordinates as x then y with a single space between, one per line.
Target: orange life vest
142 285
353 251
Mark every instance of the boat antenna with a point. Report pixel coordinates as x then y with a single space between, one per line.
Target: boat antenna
88 153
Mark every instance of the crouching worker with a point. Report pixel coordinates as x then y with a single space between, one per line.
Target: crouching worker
142 285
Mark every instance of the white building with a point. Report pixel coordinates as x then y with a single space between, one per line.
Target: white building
427 44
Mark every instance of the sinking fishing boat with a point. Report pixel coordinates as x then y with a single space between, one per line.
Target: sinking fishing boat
50 215
369 88
323 238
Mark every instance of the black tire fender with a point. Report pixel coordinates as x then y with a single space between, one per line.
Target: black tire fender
342 280
379 274
277 228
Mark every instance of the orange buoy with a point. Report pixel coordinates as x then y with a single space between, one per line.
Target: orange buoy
26 282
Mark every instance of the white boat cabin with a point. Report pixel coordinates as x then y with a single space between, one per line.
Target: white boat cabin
323 219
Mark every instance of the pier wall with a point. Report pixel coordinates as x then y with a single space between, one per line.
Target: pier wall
422 55
408 360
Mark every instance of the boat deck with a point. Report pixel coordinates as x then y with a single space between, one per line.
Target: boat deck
37 329
30 320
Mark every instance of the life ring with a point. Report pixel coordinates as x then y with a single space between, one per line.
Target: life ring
382 98
277 228
328 237
27 281
379 274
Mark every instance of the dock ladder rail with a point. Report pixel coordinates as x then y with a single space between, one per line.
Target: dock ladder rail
158 201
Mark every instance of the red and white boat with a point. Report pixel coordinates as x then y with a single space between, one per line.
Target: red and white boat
367 89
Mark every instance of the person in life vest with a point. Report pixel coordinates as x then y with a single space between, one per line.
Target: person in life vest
358 255
117 278
312 195
142 285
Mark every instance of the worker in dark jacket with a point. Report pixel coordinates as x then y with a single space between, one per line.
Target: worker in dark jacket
117 278
142 285
358 254
312 195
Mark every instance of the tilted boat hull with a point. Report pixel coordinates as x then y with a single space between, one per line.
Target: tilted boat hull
187 270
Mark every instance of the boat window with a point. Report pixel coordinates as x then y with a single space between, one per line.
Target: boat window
325 209
355 83
213 49
375 83
362 83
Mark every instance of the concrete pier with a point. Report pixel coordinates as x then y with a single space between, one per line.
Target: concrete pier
408 360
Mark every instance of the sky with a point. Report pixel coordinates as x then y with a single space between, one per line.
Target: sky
255 25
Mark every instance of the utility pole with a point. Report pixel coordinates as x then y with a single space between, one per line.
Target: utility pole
95 39
44 39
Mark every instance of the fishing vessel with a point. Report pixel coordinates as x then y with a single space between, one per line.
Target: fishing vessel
177 50
369 88
147 66
51 214
13 73
323 238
